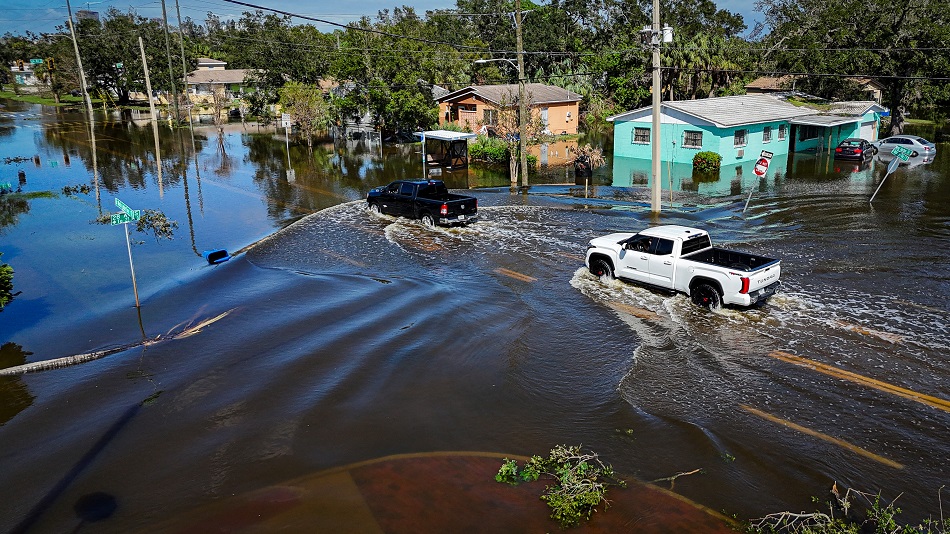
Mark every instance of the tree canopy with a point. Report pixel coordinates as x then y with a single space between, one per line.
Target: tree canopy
386 69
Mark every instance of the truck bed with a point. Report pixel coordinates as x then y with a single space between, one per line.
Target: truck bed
739 261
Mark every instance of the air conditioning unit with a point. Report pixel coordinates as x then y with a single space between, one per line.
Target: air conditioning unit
740 153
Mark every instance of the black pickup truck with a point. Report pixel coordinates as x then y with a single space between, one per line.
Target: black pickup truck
428 200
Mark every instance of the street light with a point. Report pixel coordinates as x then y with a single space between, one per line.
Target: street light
522 114
510 61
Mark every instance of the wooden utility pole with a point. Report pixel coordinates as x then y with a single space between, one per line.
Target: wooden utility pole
657 99
522 98
184 67
168 52
85 94
151 106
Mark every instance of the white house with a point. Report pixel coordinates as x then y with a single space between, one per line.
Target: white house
212 73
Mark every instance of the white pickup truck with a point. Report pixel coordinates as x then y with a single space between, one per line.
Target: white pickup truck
683 259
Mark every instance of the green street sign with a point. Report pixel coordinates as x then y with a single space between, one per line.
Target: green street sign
122 218
118 65
36 62
902 157
122 206
902 151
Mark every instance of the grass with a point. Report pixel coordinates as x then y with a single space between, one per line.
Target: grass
45 98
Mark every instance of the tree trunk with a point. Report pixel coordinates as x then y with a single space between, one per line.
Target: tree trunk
898 112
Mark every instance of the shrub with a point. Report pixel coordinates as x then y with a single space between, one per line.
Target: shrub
707 162
493 150
578 481
6 284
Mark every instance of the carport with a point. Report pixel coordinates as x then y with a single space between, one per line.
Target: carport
822 132
445 148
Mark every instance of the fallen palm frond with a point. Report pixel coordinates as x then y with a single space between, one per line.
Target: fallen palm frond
59 363
672 479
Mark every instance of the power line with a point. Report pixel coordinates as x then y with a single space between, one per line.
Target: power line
354 28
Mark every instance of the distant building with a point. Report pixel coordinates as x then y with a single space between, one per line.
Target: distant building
212 73
477 106
84 14
872 89
23 73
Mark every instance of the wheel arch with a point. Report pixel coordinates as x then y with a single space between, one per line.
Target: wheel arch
705 280
601 256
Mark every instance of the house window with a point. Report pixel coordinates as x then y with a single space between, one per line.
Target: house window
740 138
692 139
782 132
641 135
808 132
767 134
491 117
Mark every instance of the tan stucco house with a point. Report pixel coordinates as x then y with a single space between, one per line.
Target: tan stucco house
476 106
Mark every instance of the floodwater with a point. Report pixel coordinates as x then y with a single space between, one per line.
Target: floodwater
336 336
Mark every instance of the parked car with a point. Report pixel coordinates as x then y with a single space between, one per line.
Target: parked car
684 259
855 148
428 200
913 161
918 145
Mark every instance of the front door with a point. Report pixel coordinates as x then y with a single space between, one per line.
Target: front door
634 259
661 263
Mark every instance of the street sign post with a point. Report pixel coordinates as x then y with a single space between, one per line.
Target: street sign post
891 167
285 124
760 168
128 215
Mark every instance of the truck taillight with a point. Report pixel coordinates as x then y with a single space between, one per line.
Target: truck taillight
444 210
745 285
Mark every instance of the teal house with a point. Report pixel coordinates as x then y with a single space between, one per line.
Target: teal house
739 128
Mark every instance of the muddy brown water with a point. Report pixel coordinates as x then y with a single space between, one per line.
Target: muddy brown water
345 337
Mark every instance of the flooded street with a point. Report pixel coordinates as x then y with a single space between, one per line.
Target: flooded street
336 336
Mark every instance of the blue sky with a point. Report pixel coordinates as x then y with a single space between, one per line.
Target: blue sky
18 16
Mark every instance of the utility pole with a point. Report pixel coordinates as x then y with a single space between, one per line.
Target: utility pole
522 98
657 99
85 94
168 52
82 75
154 121
184 67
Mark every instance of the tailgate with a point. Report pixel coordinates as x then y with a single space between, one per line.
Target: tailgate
465 206
764 276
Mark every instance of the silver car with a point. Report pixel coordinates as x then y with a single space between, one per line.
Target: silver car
916 144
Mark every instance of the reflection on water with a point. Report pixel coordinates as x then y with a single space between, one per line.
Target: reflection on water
14 395
357 336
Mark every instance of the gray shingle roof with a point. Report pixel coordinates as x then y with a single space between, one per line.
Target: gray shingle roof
538 93
730 111
218 76
856 107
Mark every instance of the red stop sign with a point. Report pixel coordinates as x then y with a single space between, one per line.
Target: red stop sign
761 166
